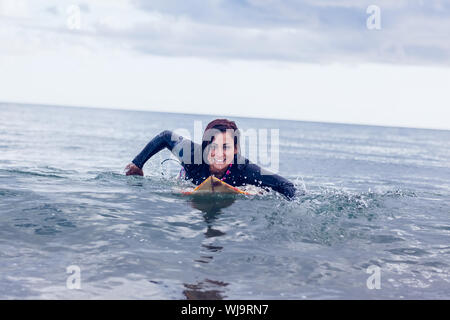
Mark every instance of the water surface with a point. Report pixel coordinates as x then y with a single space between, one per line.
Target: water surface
373 196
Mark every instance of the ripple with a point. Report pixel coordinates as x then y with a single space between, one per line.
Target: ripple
441 227
26 225
36 173
43 209
107 176
8 193
385 239
46 231
349 204
47 219
435 264
409 252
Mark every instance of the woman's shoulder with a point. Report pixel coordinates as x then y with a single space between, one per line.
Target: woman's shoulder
250 168
247 167
241 162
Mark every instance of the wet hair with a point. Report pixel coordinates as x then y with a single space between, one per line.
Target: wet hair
221 125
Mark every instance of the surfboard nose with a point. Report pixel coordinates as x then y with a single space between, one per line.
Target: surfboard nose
215 183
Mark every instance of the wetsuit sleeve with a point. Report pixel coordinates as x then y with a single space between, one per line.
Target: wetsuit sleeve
184 149
271 180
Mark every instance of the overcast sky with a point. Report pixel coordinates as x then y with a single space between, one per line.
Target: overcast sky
306 60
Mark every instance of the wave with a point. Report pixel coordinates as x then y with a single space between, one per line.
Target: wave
106 176
45 171
8 193
328 216
31 173
342 202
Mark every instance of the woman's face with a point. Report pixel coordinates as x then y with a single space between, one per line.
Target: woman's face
221 151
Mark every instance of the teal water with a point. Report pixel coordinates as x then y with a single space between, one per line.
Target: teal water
373 196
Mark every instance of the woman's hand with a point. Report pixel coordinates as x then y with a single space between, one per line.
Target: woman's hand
133 169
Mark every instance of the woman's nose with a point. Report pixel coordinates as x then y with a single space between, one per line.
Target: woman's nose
218 152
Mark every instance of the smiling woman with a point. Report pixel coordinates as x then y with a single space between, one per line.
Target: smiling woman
218 156
220 144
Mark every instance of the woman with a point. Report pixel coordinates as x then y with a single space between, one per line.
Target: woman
219 155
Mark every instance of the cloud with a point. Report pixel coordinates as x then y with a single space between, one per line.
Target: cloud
327 31
413 32
13 8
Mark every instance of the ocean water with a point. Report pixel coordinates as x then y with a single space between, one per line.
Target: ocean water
372 211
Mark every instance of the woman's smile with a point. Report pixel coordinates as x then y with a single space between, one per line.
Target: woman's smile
221 152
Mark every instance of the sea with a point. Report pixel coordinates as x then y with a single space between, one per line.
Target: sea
370 219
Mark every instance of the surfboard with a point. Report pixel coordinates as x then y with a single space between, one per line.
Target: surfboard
215 185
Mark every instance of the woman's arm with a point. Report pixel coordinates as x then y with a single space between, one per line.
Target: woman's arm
271 180
161 141
183 149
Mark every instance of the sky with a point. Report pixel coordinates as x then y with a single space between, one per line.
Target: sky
378 62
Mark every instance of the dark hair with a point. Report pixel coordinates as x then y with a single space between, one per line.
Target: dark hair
222 125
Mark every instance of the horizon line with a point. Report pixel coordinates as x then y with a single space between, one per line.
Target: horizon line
136 109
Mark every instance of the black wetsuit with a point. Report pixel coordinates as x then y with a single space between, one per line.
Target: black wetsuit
242 171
